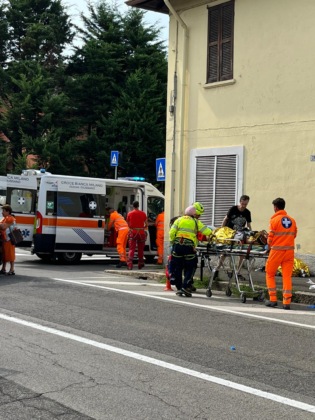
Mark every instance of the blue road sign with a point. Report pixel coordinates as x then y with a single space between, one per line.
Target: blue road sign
114 155
160 169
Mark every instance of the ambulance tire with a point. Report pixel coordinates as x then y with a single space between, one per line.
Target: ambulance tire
69 257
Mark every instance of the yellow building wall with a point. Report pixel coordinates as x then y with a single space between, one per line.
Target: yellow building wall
268 108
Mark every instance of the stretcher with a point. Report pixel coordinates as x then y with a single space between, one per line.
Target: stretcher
232 257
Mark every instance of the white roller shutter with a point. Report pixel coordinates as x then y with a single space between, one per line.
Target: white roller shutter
216 186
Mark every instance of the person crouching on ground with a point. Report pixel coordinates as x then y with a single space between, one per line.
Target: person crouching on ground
8 250
183 238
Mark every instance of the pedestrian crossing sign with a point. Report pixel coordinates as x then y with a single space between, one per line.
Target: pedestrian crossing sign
160 169
114 158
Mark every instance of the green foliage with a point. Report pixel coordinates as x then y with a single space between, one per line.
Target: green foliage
109 95
38 29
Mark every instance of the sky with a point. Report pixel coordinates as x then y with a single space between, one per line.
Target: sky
75 7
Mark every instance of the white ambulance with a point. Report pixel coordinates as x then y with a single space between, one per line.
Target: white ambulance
70 213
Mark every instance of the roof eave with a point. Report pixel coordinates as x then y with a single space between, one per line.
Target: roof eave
152 5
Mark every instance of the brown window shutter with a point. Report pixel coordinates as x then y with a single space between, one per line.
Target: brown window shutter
226 65
220 42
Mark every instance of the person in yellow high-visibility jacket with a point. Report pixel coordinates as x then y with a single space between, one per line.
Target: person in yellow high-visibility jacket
184 239
159 224
117 221
282 232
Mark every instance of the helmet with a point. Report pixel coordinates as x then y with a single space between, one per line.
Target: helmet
199 208
190 211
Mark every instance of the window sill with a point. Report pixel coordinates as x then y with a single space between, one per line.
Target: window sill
218 84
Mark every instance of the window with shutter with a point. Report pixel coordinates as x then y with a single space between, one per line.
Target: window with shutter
216 188
220 42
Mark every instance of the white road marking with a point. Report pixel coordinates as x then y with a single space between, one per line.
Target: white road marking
183 301
170 366
122 283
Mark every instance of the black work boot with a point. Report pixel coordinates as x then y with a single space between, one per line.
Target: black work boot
271 304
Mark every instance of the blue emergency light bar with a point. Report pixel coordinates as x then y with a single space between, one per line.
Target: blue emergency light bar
132 178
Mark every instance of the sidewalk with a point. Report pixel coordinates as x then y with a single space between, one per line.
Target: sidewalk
301 291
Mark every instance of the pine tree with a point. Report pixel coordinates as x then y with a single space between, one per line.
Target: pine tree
119 76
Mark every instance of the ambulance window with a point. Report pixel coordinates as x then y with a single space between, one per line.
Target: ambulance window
21 200
155 206
80 205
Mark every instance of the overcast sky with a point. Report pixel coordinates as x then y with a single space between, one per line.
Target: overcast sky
75 7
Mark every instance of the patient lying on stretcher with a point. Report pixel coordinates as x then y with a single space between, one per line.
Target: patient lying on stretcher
225 236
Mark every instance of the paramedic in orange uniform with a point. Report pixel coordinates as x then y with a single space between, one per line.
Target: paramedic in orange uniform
8 250
138 225
282 232
159 224
117 221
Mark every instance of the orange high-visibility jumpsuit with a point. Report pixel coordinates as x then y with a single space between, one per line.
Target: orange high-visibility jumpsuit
159 223
282 233
121 227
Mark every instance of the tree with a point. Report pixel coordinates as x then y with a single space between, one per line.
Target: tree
38 30
109 95
120 76
33 106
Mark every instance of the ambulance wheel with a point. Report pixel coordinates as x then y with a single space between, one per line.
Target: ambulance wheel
228 292
243 297
69 257
208 293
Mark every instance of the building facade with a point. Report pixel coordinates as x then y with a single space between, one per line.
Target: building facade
241 111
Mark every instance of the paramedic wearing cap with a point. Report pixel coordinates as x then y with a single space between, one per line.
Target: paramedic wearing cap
183 238
282 232
117 221
138 225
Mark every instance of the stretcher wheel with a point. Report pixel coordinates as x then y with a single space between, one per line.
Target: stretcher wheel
228 292
208 293
243 297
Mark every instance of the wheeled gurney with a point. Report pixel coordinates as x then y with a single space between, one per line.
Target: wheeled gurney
232 257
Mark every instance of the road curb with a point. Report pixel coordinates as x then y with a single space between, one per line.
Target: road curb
306 298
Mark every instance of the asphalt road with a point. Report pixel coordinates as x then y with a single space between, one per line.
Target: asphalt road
80 343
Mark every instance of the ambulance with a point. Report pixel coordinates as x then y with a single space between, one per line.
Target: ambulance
63 217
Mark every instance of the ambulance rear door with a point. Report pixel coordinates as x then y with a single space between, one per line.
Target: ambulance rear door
22 195
80 220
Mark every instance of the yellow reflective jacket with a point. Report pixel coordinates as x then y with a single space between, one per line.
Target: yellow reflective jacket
187 228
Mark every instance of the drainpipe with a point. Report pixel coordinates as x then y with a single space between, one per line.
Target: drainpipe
182 115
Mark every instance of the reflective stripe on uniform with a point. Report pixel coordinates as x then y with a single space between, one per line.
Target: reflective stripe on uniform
282 248
284 233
